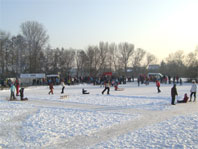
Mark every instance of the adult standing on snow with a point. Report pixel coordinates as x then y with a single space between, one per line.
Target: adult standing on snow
193 90
12 90
158 86
17 87
63 86
107 85
173 94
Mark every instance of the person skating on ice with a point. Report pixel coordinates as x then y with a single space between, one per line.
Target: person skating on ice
193 91
107 85
158 86
63 86
51 88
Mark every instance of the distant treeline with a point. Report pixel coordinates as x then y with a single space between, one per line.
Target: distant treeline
30 52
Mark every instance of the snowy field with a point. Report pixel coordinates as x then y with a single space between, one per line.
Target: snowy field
136 118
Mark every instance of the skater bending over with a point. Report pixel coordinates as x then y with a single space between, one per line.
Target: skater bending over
22 94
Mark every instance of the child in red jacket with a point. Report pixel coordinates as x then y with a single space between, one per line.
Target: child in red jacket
158 86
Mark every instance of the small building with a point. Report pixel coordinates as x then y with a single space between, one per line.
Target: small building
32 78
153 67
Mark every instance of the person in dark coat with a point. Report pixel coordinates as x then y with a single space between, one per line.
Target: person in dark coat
22 94
84 91
107 85
173 94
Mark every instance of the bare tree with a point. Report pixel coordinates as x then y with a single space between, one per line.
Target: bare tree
19 52
113 57
68 57
150 58
4 40
137 58
92 58
103 52
48 63
81 62
175 63
192 64
126 50
36 38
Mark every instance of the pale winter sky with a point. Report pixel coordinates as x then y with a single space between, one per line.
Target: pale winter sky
160 27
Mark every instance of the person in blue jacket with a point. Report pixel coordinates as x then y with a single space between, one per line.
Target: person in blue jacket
12 90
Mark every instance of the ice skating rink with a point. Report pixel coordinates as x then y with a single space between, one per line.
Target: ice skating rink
137 117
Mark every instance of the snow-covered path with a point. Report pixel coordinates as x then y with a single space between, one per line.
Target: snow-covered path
147 118
127 119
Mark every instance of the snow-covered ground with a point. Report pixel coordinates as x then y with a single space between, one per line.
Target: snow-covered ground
137 117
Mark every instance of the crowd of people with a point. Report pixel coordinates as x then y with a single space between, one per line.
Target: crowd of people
166 79
108 82
15 87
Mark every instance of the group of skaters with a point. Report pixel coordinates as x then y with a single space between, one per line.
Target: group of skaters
193 91
174 93
15 87
107 84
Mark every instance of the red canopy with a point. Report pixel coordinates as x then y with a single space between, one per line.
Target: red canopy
107 73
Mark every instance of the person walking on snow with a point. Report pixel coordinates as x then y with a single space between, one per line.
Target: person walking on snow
193 91
173 94
107 85
158 86
63 86
51 88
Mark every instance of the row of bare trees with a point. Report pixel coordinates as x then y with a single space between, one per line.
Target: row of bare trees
29 52
181 64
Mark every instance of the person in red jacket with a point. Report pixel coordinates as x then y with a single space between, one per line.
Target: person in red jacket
17 87
51 88
184 100
158 86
